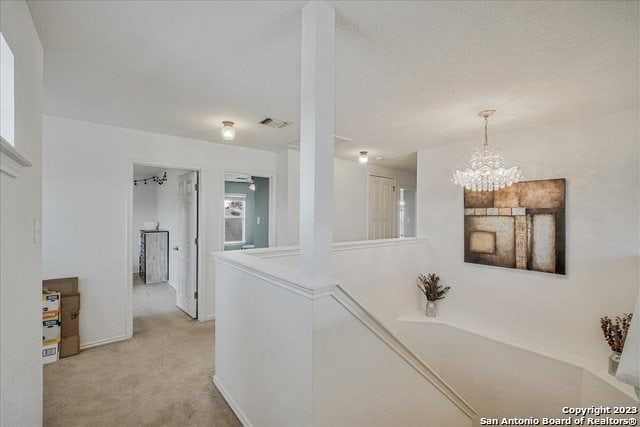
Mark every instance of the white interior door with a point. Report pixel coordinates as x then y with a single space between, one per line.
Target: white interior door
187 238
381 205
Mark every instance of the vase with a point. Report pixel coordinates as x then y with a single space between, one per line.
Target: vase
432 308
614 359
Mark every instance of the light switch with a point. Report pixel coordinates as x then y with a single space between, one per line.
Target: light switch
258 220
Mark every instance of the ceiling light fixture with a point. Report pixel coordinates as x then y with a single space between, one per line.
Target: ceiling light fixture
228 132
363 159
486 170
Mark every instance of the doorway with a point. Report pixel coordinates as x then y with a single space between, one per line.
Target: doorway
248 219
381 207
407 212
164 242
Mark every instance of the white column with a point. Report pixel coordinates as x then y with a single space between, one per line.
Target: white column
316 142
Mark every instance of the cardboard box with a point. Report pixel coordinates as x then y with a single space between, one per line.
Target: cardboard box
50 301
49 353
69 346
52 341
69 304
66 285
50 331
70 316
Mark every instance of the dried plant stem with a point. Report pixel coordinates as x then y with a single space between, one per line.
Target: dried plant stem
616 333
430 286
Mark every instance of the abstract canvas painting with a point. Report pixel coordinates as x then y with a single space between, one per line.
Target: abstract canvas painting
521 226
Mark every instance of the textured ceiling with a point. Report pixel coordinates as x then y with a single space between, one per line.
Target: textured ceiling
409 75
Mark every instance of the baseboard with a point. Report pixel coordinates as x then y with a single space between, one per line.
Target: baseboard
207 318
234 407
102 342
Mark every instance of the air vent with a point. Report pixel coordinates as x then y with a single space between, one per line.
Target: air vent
273 123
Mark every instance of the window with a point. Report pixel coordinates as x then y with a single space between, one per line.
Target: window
234 218
6 92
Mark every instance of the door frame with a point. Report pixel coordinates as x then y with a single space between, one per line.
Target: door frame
128 294
394 226
272 201
412 188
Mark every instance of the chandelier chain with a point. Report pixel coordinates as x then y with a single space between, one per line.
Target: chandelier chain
486 131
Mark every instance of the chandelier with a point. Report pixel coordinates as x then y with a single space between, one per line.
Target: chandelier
486 170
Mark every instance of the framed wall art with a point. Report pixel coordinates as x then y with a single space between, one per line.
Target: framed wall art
521 226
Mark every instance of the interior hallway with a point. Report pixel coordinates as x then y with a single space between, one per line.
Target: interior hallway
160 377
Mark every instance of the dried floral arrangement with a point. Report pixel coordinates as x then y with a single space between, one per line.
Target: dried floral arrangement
430 286
616 333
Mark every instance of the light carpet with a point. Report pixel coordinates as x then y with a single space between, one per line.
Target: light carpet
160 377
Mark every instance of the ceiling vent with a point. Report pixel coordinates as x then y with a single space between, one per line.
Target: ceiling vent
295 143
273 123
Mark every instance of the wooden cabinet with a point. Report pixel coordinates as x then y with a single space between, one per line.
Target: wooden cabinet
154 256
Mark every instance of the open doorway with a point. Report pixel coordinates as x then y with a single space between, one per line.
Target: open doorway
407 212
391 199
164 245
247 213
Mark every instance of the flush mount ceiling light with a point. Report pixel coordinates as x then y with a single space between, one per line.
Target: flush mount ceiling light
228 132
363 159
486 170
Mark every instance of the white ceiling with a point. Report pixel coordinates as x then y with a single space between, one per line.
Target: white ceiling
409 75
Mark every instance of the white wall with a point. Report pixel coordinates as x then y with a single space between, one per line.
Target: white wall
145 208
499 379
381 273
599 158
20 255
350 186
289 356
288 196
349 201
86 232
360 379
263 355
